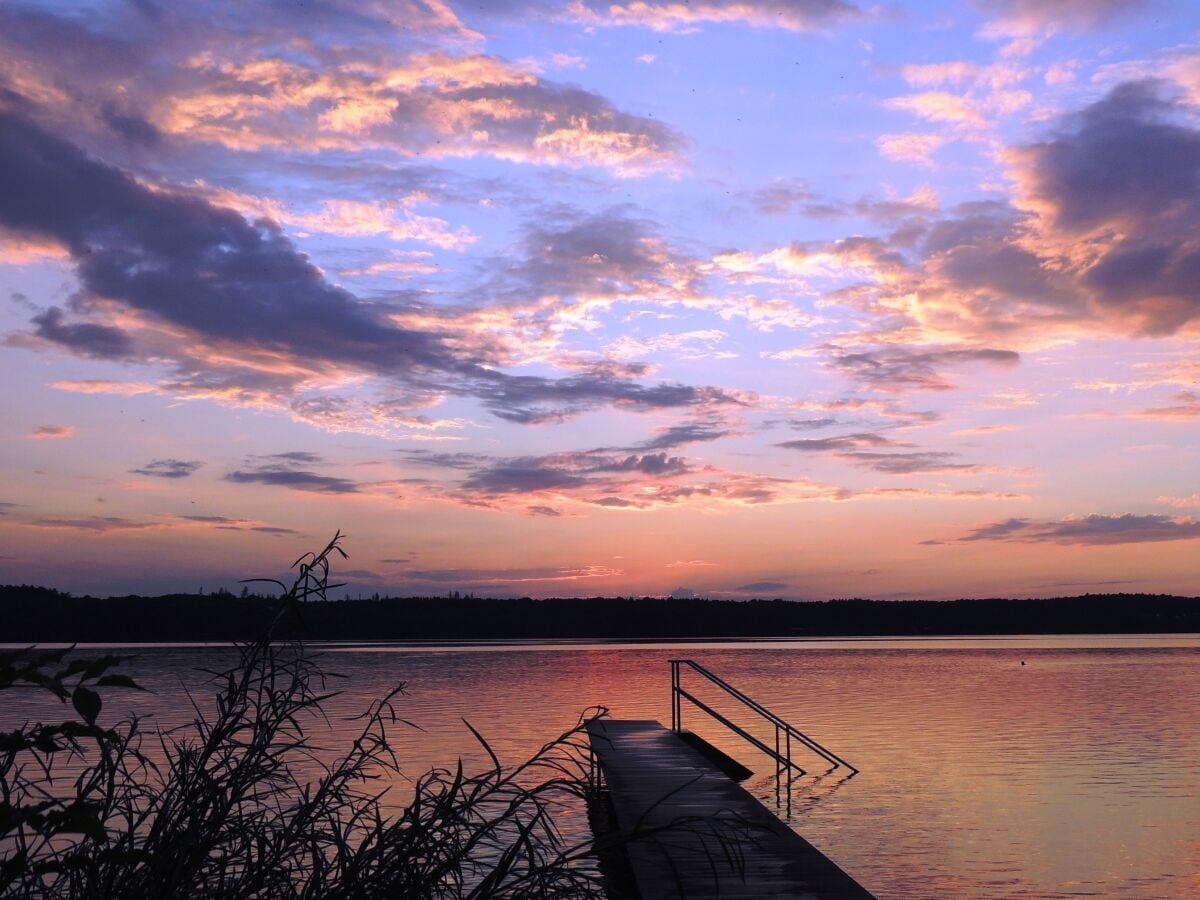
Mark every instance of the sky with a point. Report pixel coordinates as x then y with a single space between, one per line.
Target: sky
783 298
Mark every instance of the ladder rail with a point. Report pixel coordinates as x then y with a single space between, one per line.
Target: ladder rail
677 692
737 729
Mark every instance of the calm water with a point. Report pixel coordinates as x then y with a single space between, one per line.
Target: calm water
1075 774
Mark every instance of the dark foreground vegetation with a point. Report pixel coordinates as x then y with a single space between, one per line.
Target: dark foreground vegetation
243 803
39 614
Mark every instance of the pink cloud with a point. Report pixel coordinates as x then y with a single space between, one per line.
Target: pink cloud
51 432
940 106
914 147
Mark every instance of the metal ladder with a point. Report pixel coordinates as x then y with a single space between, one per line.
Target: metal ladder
785 733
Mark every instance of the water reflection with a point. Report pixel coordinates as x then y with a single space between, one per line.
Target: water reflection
1075 774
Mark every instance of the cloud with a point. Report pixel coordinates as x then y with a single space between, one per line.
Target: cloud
714 487
697 344
462 461
788 195
182 260
913 147
1029 17
945 290
900 369
997 530
1100 239
1150 374
955 72
169 468
942 107
605 479
1182 502
199 283
1186 408
532 399
282 470
51 432
985 429
1120 183
755 587
84 338
563 472
1091 530
812 424
361 218
675 16
519 477
105 386
909 463
680 435
885 408
503 577
296 479
926 494
224 523
429 104
1062 72
858 449
369 78
95 524
845 442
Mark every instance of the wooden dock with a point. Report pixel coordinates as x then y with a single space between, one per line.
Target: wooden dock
654 778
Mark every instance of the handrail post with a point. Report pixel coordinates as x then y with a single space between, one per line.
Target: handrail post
778 765
676 725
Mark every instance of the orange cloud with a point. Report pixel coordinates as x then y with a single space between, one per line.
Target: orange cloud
106 386
51 432
434 105
15 251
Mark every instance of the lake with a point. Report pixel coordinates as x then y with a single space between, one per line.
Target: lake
990 767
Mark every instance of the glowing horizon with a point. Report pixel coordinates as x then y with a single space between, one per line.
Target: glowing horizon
797 298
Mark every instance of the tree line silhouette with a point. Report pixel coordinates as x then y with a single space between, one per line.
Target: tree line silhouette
41 614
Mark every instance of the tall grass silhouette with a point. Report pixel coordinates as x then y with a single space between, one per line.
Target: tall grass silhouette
240 803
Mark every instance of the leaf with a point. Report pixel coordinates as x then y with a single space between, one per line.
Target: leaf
102 664
119 681
79 818
126 857
87 703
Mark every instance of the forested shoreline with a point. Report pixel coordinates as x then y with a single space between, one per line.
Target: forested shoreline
32 614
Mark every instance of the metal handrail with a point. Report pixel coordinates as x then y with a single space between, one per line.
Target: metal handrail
782 727
766 713
737 729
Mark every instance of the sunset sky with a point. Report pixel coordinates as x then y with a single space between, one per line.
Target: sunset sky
796 298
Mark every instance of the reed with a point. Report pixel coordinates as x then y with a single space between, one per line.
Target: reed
240 803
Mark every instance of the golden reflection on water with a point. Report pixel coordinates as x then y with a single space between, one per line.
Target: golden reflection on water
1075 774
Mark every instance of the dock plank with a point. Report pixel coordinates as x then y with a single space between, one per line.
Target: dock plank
655 778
